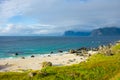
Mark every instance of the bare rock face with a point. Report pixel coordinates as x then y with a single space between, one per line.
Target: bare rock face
46 64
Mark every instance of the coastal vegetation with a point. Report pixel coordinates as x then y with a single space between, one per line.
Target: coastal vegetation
102 66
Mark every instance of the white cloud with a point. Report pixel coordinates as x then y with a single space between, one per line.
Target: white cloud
35 29
12 8
58 15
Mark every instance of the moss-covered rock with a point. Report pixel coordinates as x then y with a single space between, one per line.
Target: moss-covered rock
46 64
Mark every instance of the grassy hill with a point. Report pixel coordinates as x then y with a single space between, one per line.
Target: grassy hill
97 67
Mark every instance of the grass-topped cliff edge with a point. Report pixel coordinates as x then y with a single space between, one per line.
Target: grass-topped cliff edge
102 66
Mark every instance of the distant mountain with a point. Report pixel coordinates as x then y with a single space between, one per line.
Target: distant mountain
107 31
78 33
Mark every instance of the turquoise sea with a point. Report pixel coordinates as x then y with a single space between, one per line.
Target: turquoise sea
28 45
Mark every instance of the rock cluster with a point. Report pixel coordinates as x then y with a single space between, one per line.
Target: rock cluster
80 52
106 50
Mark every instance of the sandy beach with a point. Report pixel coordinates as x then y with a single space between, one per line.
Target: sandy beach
35 63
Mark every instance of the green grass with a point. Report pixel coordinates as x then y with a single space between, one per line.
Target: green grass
97 67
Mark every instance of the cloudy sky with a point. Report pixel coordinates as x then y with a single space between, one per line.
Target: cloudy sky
53 17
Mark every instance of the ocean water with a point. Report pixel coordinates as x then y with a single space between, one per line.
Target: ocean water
28 45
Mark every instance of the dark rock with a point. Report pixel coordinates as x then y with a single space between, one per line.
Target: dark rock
70 60
77 54
81 58
83 48
80 51
51 52
89 55
16 54
23 57
72 51
49 55
32 56
111 54
60 51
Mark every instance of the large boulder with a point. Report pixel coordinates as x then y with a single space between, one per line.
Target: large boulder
16 54
22 57
60 51
32 56
46 64
72 51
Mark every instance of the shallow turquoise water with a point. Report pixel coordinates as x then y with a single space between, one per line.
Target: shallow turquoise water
28 45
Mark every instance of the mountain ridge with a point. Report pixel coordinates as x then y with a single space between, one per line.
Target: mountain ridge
106 31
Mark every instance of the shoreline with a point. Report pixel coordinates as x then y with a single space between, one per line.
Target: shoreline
35 55
35 63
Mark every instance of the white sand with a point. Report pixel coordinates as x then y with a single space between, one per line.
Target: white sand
35 63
